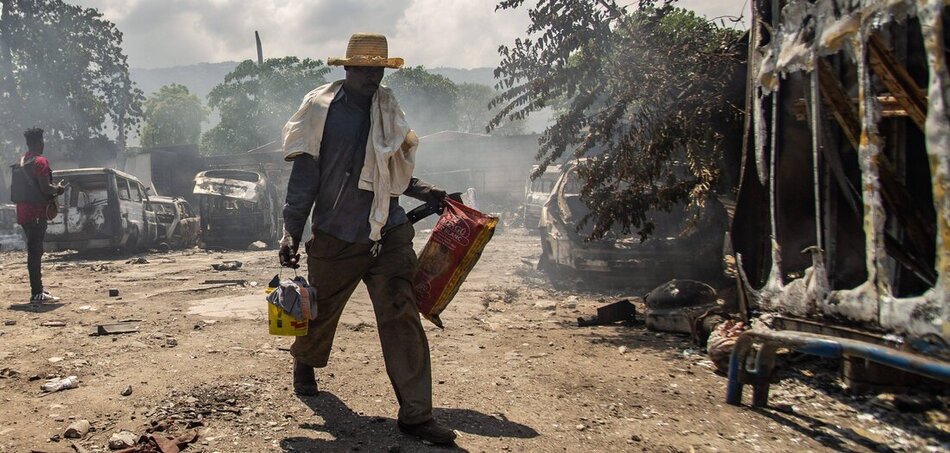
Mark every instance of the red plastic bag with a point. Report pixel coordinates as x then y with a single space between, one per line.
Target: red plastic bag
456 243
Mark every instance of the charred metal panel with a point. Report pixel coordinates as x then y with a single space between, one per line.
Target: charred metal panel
852 235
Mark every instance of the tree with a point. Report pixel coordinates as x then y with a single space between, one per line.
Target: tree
473 112
173 116
256 100
428 99
649 95
62 69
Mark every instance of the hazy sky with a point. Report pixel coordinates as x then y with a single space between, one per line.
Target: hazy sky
458 33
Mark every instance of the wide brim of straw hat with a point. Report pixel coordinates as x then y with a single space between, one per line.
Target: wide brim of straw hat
367 49
367 60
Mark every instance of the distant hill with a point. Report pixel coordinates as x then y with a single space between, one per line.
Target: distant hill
199 78
202 77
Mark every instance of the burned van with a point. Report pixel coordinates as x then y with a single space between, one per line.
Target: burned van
178 223
102 209
237 207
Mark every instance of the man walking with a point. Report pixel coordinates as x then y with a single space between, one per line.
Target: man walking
353 155
32 191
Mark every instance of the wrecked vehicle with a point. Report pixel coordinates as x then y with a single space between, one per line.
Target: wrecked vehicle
840 230
536 193
683 245
178 224
11 235
237 207
102 208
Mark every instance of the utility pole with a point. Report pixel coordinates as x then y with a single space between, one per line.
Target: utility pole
260 51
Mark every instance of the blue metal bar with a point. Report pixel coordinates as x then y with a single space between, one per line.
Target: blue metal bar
820 345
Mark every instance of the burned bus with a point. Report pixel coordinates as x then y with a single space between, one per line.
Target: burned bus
237 208
841 230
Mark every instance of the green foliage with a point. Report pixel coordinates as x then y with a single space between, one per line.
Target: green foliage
429 100
173 116
474 115
255 102
62 69
650 95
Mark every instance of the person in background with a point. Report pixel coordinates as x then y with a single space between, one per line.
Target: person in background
353 155
33 191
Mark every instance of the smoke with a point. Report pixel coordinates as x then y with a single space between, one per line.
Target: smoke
459 33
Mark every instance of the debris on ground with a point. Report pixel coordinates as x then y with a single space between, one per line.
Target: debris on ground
8 373
126 391
113 292
227 266
77 429
722 341
257 246
122 440
57 384
9 322
53 324
621 310
115 329
139 260
233 281
672 306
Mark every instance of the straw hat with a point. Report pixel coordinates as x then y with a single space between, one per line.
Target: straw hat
367 49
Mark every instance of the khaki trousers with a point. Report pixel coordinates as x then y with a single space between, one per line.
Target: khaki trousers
335 267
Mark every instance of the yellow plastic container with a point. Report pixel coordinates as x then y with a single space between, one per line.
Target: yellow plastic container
280 323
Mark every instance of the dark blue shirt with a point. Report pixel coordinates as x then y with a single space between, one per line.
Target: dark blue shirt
329 184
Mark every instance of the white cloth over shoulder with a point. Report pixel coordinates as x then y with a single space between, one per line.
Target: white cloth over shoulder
390 148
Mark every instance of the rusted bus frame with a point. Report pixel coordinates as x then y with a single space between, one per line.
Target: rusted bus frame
872 303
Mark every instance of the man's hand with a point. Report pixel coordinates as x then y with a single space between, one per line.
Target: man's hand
437 198
288 255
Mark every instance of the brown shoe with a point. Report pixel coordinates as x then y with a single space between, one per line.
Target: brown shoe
430 431
305 382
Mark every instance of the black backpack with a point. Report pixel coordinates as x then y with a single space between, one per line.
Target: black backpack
23 185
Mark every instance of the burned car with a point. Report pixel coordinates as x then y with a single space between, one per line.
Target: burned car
685 245
178 224
237 207
536 193
11 235
102 208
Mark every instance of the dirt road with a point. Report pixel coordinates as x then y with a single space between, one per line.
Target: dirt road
511 371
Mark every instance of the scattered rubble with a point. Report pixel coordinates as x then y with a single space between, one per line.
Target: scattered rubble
671 307
77 429
721 342
139 260
53 324
227 266
57 384
115 329
618 311
122 439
